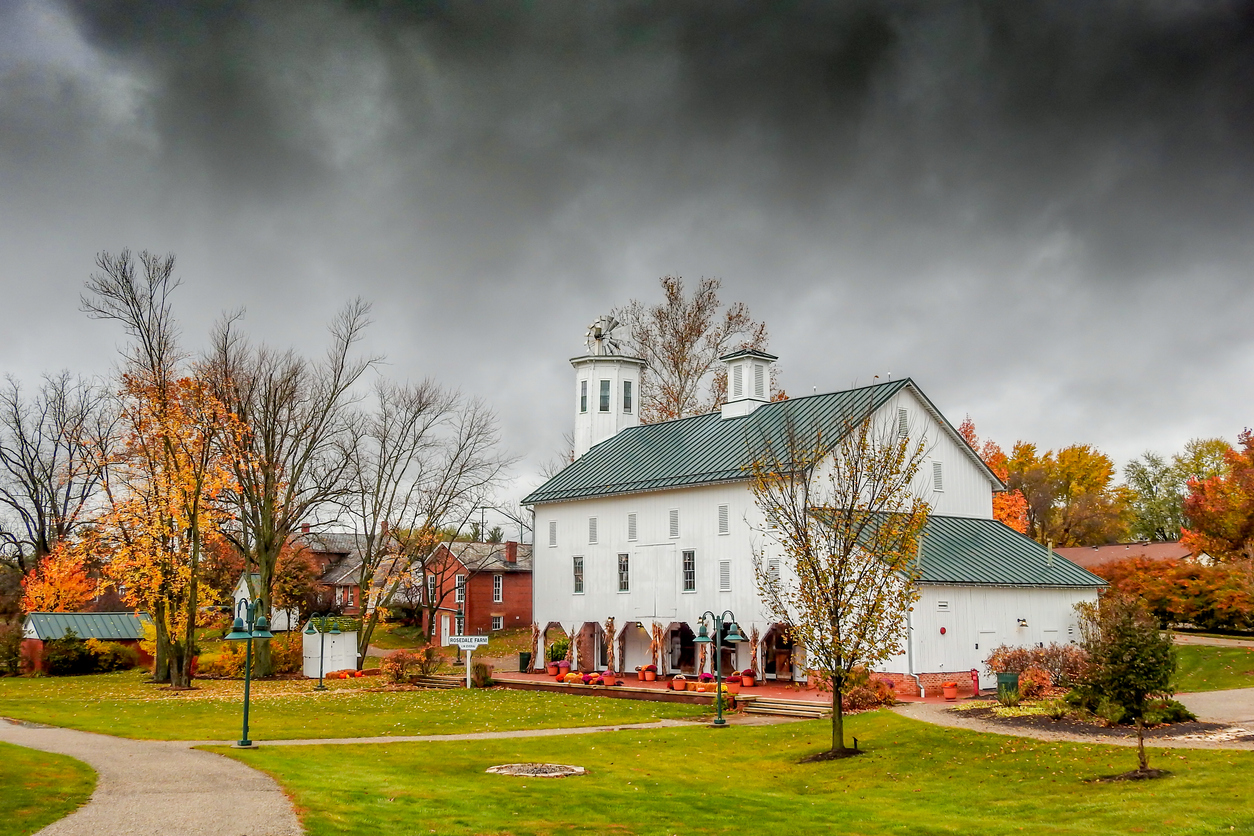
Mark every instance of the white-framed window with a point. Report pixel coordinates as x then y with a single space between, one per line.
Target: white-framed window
690 571
498 589
552 534
624 573
631 526
627 397
459 589
724 520
938 477
592 529
430 589
759 380
604 405
578 574
724 576
583 396
674 523
498 622
903 422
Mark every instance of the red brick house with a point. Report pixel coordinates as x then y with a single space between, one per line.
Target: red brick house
489 582
338 562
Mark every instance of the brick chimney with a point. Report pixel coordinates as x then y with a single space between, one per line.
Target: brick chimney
511 551
304 528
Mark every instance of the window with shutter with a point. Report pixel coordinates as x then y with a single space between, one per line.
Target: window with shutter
592 529
772 569
552 533
724 576
903 423
724 525
498 622
938 480
674 520
631 526
759 380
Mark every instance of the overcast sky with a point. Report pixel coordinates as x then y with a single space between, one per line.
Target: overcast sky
1040 212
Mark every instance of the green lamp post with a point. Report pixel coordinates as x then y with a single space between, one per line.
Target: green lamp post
321 631
248 626
703 637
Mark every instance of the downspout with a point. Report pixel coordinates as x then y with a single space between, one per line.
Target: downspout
918 564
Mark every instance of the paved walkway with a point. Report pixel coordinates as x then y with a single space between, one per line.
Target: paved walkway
1210 641
941 715
1235 706
150 788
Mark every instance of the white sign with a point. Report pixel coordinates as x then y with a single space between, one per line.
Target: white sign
468 642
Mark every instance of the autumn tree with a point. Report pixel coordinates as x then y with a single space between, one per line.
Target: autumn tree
50 443
1129 660
1071 498
425 457
681 340
1220 509
290 464
167 482
1158 486
844 511
1009 506
60 583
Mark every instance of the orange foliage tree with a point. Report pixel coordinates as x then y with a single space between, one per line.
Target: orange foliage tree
60 583
1220 510
1009 506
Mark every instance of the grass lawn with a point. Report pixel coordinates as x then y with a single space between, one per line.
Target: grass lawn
39 788
396 637
123 704
1203 668
914 779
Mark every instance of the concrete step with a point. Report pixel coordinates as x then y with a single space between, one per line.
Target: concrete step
788 708
439 682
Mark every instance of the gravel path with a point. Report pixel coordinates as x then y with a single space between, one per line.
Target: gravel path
941 715
150 788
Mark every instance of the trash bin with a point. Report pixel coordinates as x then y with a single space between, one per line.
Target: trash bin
524 661
1006 683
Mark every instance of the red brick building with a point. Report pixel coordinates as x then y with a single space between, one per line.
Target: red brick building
489 582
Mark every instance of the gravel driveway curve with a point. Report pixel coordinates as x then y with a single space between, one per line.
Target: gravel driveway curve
155 788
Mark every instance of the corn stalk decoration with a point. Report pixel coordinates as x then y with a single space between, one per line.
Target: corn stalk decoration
843 508
753 651
655 644
701 663
609 644
537 648
572 637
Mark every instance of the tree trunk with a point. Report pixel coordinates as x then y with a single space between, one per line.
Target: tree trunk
1140 744
161 659
838 717
363 638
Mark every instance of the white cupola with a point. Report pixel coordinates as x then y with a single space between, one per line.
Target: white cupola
607 388
748 381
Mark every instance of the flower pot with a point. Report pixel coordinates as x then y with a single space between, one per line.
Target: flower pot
747 681
649 676
551 668
733 687
950 690
679 685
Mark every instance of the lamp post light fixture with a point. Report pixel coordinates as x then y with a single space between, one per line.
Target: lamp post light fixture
249 624
321 630
703 637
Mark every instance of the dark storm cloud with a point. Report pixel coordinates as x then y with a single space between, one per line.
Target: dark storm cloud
1039 210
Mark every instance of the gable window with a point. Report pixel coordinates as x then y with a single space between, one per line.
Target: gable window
592 529
724 576
938 477
674 523
578 575
690 571
459 590
430 589
552 533
627 396
583 396
624 573
498 589
605 396
759 380
724 523
498 622
903 423
631 526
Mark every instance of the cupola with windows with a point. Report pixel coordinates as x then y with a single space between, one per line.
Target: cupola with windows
748 381
607 388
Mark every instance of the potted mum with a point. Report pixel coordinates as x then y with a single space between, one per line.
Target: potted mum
748 677
950 690
679 683
650 673
705 682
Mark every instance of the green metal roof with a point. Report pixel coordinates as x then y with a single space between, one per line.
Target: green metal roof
703 449
110 626
977 552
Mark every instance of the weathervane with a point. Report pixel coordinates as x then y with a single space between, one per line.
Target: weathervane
600 339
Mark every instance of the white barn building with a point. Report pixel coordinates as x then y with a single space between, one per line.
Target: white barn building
652 525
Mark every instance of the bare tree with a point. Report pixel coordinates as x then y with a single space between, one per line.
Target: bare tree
290 463
50 462
844 511
423 459
680 341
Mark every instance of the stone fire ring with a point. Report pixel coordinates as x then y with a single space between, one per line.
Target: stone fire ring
537 770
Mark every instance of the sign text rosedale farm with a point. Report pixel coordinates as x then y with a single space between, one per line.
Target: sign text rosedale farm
468 644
